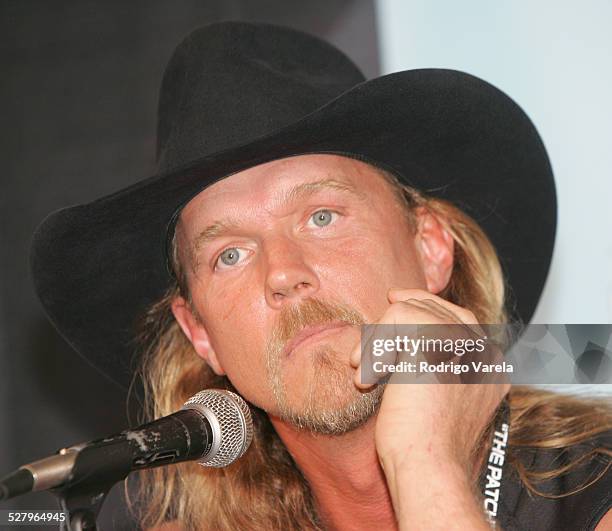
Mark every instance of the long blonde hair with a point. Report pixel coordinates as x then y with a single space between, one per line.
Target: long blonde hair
265 490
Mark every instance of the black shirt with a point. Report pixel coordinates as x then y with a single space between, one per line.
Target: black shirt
519 509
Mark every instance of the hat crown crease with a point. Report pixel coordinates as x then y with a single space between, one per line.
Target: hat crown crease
229 84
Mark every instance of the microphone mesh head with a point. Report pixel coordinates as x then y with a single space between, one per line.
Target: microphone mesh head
231 422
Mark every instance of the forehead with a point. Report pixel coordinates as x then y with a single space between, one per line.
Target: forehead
269 185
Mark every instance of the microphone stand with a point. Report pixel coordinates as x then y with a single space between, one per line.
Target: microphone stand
82 508
82 500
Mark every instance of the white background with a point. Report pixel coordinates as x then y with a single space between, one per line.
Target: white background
554 58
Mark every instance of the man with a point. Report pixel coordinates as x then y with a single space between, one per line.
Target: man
294 203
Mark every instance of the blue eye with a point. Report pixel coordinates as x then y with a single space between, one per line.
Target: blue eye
322 218
229 256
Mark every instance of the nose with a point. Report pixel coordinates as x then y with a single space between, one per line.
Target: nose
288 277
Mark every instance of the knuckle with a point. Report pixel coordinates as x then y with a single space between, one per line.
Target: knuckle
402 310
468 315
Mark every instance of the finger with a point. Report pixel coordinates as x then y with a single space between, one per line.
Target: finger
404 313
429 306
401 294
471 324
363 355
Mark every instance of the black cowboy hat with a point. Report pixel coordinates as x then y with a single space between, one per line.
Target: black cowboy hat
235 95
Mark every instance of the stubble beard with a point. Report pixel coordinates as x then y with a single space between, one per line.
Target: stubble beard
330 404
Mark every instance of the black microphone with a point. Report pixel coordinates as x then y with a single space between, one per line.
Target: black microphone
214 426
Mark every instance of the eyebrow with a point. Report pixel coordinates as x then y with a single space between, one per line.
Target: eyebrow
307 189
301 191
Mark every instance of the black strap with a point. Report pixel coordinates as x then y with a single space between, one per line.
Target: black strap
493 474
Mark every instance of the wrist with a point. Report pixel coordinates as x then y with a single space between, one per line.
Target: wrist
418 472
433 494
431 456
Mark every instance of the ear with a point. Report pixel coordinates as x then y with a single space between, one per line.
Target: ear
196 333
435 247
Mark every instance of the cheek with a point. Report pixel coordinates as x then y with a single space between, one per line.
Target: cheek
235 322
362 269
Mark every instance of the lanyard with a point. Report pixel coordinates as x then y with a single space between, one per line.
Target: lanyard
495 464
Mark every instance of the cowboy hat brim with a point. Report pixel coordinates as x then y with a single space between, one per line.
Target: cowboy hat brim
97 267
